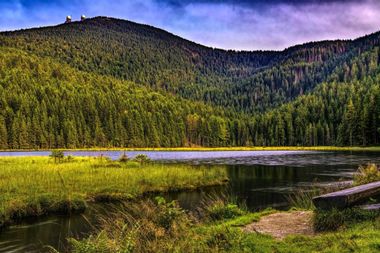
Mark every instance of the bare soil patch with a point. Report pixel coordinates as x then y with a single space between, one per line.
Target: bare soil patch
282 224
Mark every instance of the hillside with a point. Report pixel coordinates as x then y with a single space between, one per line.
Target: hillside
110 82
248 81
45 104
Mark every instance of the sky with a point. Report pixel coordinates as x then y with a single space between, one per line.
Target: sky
229 24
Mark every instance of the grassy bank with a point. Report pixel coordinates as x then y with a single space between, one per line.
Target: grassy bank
35 186
164 227
254 148
220 226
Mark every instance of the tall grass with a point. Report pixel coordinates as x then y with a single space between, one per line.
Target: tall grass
143 226
367 174
303 199
159 226
334 219
37 185
221 207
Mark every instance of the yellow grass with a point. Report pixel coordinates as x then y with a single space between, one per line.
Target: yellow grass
37 185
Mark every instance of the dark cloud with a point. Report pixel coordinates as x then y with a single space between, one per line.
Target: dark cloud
232 24
256 3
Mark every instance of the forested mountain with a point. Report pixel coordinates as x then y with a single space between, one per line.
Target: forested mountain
110 82
44 104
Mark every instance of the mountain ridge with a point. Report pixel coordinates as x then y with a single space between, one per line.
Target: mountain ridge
219 97
296 46
166 61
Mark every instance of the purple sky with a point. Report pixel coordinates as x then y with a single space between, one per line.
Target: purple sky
230 24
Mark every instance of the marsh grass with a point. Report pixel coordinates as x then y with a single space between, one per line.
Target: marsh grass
303 198
218 228
367 174
34 186
217 207
140 228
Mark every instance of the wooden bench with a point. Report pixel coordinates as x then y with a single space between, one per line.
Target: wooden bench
348 197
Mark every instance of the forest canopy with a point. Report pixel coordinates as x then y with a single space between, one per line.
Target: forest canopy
112 83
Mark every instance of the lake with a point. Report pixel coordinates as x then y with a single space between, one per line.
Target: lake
260 179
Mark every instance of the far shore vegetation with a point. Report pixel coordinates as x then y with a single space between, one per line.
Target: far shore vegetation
34 186
247 148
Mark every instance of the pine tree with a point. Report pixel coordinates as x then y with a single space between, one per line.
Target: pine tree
3 134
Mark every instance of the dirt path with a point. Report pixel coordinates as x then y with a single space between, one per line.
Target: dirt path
282 224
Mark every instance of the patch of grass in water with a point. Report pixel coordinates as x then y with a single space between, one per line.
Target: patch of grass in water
34 186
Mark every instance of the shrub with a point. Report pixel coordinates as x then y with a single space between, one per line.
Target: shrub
123 158
69 158
168 213
367 174
141 158
58 155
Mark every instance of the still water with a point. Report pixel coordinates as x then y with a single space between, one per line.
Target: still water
260 179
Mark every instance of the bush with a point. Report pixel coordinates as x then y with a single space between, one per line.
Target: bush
123 158
168 213
141 158
367 174
220 211
69 158
58 155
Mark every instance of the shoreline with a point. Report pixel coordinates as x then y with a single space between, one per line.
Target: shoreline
79 206
191 149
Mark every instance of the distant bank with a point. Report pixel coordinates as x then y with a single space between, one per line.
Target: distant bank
254 148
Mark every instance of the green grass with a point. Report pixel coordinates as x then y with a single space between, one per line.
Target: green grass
34 186
334 219
362 237
131 231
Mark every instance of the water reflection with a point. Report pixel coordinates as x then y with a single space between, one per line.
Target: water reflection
262 186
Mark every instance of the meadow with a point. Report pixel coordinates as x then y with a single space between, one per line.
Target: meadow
35 186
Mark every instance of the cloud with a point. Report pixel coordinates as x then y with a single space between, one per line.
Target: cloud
230 24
